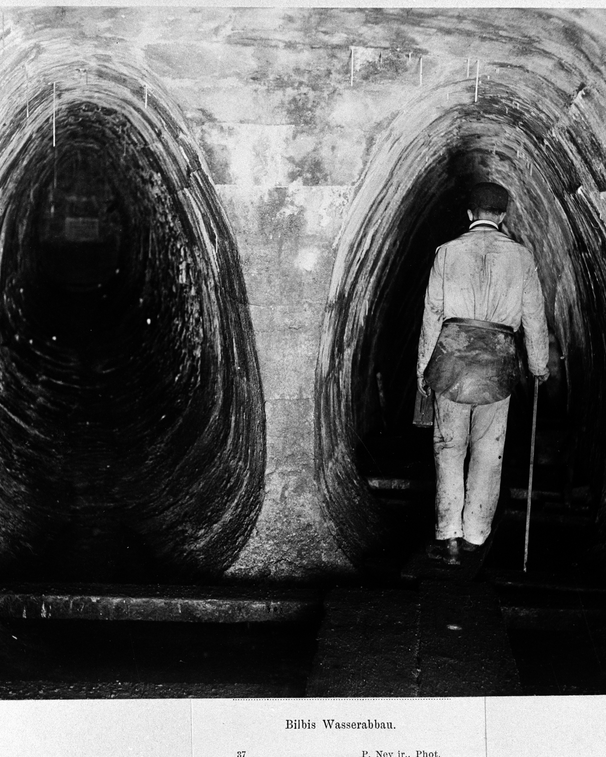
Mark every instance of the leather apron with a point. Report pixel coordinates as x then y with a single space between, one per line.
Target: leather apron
474 362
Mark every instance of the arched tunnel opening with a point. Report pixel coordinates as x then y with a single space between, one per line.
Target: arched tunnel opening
131 439
414 202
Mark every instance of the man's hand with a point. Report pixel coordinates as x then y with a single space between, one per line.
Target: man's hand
542 378
423 386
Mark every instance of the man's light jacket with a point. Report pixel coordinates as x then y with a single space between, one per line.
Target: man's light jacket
485 275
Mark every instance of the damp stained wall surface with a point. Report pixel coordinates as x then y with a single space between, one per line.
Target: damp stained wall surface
330 136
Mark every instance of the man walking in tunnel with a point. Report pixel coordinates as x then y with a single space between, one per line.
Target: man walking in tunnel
482 287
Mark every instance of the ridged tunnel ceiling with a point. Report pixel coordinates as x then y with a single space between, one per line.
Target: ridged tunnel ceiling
131 417
536 126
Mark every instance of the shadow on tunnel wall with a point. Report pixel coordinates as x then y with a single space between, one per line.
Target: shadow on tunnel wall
131 413
413 199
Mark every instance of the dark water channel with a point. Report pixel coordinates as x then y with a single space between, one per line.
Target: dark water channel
72 658
556 613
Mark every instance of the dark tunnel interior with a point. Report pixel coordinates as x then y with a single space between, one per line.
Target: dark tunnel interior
387 412
131 444
390 444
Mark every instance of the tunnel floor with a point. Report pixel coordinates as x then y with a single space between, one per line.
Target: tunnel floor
403 627
443 638
496 631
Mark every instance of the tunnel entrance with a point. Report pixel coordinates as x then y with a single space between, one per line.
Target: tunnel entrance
413 199
395 456
131 414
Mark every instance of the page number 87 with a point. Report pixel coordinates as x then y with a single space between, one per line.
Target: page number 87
241 754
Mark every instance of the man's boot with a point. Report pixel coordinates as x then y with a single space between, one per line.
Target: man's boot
445 550
468 546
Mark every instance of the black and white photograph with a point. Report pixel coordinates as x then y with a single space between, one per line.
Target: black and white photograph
302 380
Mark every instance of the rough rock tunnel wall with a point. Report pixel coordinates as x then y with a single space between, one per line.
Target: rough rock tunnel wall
197 394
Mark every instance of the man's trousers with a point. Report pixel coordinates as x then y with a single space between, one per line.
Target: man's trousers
466 507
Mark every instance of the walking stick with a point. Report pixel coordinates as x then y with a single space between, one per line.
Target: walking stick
532 440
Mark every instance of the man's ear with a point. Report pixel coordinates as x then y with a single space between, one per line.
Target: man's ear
501 217
470 214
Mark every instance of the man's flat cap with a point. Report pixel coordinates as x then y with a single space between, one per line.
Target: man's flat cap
489 196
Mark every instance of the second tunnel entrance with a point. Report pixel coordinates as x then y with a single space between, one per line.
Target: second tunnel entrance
413 203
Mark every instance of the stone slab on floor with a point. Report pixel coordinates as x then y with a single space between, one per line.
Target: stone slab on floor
464 648
367 645
137 690
208 604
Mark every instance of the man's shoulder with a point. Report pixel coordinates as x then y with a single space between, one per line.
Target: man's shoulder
525 254
500 238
